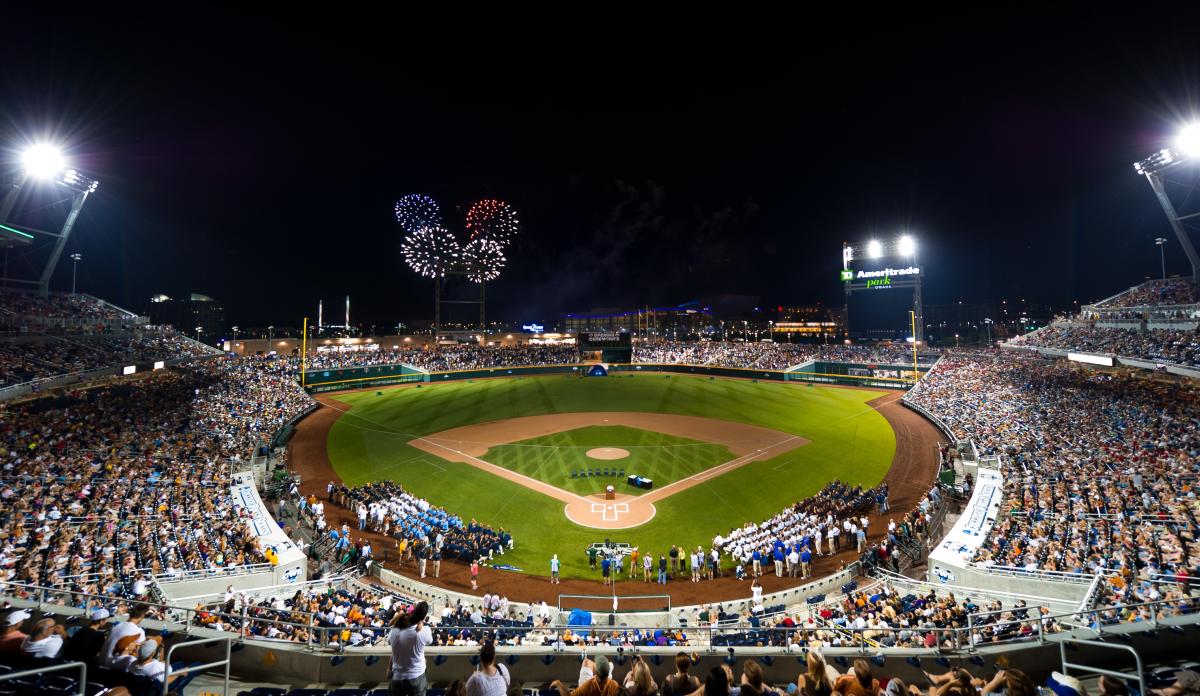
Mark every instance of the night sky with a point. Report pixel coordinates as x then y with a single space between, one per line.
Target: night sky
653 161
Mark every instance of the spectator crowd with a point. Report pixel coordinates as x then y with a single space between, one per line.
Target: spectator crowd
34 358
106 486
1174 346
1155 293
767 356
1100 468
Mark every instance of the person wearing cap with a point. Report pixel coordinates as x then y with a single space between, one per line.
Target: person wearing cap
1065 685
594 679
148 664
1187 683
45 640
85 645
125 653
13 637
894 687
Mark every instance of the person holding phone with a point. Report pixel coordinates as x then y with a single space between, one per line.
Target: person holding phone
408 638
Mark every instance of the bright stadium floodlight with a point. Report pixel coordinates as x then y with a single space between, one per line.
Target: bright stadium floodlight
42 161
874 249
1188 140
1184 151
907 246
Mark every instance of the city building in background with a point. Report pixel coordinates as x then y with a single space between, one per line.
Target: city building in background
808 324
688 321
198 316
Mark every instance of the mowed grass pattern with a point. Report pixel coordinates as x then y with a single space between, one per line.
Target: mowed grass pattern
657 456
847 440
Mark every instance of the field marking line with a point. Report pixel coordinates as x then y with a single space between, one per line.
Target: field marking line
393 465
350 412
527 481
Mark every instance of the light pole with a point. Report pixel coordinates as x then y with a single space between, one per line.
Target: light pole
1162 254
75 258
955 340
1183 152
270 335
199 329
988 323
46 162
235 332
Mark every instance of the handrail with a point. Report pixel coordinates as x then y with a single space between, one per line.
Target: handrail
255 591
221 572
1141 672
81 684
325 637
228 640
1040 573
1092 593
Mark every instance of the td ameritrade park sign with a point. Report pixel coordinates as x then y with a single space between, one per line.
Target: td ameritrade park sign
878 279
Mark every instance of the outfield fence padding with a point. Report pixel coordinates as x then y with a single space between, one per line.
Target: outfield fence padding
323 381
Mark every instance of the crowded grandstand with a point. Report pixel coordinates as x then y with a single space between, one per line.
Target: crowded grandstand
116 488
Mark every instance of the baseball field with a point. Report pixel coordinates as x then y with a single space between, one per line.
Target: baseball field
535 454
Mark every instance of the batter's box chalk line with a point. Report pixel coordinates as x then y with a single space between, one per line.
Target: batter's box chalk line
610 512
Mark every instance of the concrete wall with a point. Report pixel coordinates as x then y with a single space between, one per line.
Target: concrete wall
1018 584
528 665
437 596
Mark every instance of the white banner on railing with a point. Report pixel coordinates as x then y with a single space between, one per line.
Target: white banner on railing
292 563
1103 360
959 546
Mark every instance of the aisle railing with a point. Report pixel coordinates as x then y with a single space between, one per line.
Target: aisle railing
1011 625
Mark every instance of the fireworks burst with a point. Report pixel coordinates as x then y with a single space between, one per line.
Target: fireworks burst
483 259
417 211
431 251
494 220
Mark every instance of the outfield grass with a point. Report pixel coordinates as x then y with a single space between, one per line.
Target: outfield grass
847 440
657 456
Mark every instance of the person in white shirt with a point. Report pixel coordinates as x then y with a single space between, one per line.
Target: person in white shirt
408 638
491 679
148 664
122 630
45 640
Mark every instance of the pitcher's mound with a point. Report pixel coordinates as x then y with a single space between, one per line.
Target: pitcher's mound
607 453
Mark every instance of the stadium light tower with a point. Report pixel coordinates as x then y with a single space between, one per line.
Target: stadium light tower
1161 242
45 162
1185 151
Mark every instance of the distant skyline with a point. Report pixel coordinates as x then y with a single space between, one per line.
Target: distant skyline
257 161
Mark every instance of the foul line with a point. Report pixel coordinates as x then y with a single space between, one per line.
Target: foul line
528 481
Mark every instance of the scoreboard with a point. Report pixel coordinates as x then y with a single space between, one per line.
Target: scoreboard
606 346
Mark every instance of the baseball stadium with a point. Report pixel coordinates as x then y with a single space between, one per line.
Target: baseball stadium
715 498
